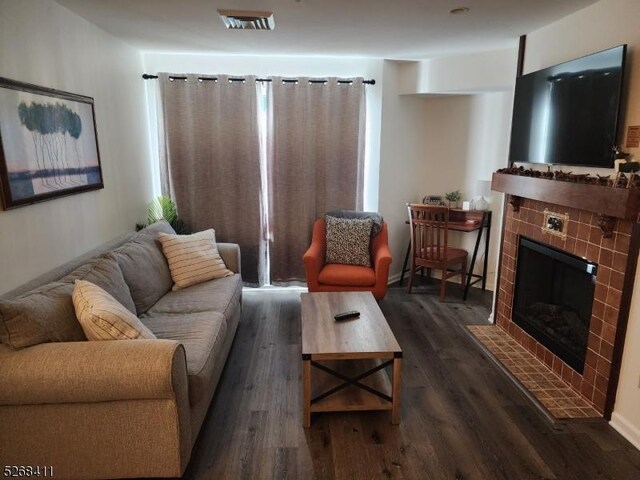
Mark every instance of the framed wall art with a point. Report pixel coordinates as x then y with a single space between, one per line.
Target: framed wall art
48 144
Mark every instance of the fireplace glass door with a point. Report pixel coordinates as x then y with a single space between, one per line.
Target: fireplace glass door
553 299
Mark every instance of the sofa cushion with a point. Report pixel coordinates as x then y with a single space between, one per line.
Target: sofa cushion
347 241
193 258
105 272
220 295
46 314
102 317
144 266
347 275
202 335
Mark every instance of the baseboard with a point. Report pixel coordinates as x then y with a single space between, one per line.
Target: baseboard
626 429
393 279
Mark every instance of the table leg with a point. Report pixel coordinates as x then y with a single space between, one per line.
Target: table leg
473 262
486 254
395 395
306 391
404 265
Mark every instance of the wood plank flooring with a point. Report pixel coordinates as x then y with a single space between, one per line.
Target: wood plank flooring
461 416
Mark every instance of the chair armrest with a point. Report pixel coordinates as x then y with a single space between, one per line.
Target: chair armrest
382 262
98 371
313 258
230 253
381 259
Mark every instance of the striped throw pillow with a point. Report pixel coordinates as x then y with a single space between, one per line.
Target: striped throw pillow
193 258
102 317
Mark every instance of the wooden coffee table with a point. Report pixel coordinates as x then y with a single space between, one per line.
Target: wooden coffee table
348 357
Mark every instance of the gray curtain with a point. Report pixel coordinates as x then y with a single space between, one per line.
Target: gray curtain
210 160
315 163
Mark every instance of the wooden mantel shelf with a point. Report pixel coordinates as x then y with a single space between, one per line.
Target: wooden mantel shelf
607 201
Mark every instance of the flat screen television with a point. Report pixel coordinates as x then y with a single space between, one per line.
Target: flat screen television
568 114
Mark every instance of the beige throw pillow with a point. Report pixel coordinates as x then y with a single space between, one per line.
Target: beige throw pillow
102 317
193 258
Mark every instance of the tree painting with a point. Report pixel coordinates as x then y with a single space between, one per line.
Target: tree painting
50 126
48 144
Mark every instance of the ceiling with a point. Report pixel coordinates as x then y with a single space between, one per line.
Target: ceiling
393 29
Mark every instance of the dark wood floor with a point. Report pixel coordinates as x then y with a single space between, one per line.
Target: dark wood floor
462 418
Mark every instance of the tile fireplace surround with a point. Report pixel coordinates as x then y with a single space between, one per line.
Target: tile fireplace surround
615 257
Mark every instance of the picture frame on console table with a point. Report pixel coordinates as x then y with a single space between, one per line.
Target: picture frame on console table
48 144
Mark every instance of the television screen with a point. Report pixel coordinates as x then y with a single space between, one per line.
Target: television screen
568 114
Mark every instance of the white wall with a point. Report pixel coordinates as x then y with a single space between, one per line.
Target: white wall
466 139
470 73
402 165
45 44
288 66
605 24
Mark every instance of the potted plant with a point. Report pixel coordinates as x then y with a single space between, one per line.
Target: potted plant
164 208
453 198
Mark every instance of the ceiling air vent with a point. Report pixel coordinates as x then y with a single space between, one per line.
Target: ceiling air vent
246 20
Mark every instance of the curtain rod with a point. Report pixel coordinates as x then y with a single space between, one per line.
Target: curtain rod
146 76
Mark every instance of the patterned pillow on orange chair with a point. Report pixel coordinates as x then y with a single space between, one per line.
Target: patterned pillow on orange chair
348 241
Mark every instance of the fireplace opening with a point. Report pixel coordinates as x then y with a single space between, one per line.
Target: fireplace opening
553 299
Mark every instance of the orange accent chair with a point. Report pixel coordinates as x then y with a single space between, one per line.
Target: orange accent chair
334 277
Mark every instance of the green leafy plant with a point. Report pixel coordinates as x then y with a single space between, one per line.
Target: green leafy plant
164 208
454 196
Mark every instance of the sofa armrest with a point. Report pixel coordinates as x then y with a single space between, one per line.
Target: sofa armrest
230 253
85 372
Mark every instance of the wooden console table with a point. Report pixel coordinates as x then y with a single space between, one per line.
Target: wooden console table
466 221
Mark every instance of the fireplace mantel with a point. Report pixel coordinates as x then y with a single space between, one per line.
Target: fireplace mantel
621 203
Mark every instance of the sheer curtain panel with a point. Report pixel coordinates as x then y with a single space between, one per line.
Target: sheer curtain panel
315 163
210 159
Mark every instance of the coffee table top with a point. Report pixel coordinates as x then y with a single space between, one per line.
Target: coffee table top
368 336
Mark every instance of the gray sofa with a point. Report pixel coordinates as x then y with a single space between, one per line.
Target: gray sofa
114 409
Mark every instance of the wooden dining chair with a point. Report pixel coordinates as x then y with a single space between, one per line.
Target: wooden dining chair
429 245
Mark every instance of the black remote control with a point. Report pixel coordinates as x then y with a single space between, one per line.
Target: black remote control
347 315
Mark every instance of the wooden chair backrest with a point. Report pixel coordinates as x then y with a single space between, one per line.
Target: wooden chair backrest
428 226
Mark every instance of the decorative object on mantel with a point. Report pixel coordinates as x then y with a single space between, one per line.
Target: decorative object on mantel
555 223
623 166
48 144
620 154
453 198
582 178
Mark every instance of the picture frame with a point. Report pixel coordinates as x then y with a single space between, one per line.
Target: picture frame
436 200
48 144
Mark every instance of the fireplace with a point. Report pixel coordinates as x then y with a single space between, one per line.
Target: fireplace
553 299
600 224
